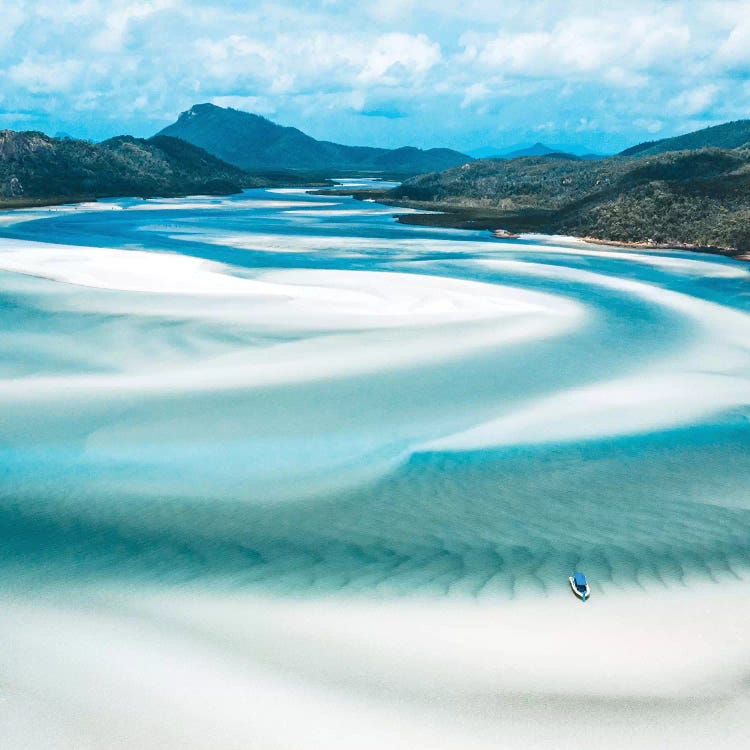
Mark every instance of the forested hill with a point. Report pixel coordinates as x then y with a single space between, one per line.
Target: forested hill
729 135
698 198
35 166
255 143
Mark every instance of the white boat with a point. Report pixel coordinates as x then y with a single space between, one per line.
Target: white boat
580 586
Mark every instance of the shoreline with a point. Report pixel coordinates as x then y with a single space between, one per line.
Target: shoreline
243 537
13 204
441 216
496 228
16 204
510 225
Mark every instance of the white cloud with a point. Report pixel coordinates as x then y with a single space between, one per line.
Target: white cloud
449 68
287 64
283 83
650 126
477 92
12 18
66 12
388 11
623 78
735 50
119 18
396 56
546 127
609 48
40 76
694 101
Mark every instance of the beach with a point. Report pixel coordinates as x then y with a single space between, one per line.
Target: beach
280 472
196 670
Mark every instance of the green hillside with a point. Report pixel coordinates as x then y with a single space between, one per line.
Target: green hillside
699 198
254 143
34 166
729 135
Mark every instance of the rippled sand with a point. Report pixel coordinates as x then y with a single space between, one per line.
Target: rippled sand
281 473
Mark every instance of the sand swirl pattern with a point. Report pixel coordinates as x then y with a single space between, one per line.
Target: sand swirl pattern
345 405
278 472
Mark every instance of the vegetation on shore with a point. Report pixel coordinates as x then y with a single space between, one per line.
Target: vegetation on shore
38 170
699 199
651 195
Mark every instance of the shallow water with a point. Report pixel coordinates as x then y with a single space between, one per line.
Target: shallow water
351 405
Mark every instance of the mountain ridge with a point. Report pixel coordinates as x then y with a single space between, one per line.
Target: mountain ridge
253 142
536 149
35 167
728 135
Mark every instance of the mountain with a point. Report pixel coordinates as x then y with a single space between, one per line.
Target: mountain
252 142
729 135
697 198
537 149
35 167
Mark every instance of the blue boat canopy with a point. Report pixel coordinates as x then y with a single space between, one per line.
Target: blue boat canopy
579 579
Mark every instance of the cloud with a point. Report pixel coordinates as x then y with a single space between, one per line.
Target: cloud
389 11
438 73
649 126
694 101
44 76
13 117
12 18
477 92
397 56
608 48
735 50
118 19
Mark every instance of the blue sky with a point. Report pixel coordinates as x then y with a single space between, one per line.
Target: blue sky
463 74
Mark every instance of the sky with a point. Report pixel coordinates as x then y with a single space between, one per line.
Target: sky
463 74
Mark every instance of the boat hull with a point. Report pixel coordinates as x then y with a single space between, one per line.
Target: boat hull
582 595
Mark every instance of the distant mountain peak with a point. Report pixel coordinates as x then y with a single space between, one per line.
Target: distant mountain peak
202 107
253 142
536 149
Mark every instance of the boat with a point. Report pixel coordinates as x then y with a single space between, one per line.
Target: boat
580 586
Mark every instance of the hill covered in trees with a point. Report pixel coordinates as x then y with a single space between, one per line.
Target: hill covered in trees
698 198
255 143
729 135
36 169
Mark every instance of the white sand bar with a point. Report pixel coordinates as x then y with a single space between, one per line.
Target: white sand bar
408 318
711 375
205 671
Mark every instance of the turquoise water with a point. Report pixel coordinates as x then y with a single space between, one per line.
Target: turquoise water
155 436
